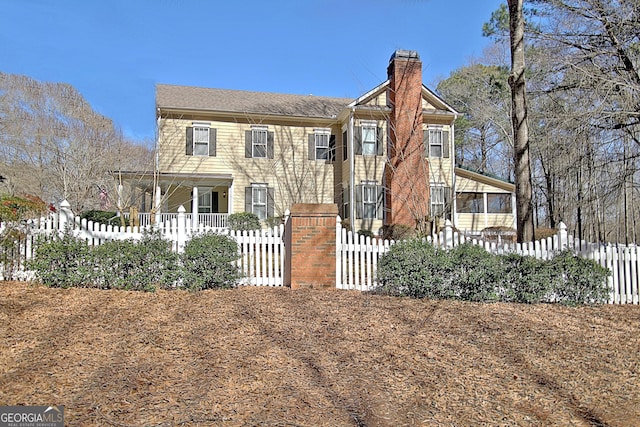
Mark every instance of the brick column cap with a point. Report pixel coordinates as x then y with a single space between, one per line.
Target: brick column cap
314 209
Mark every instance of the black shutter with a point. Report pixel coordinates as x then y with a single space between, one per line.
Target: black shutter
270 151
380 202
248 196
358 140
345 151
248 152
445 143
270 202
379 142
425 141
312 146
189 147
359 206
212 142
447 203
332 148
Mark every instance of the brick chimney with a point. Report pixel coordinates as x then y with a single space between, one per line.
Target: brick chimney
407 173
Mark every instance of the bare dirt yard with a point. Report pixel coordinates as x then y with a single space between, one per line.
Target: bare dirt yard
276 357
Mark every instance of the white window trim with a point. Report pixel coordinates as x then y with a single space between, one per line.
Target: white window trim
322 143
437 186
373 125
260 186
441 143
254 143
374 202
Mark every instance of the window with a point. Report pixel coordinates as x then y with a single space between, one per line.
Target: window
201 140
440 201
259 199
322 145
369 200
345 202
470 203
204 202
436 142
259 143
499 203
369 139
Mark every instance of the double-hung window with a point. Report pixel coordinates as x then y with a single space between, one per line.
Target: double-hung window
369 139
259 200
369 201
322 149
440 201
200 141
259 142
435 142
204 202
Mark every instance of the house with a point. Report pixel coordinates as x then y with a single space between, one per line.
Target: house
384 158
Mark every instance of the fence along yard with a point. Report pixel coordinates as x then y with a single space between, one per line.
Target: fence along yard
262 252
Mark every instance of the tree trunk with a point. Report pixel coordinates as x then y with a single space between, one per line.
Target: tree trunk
524 192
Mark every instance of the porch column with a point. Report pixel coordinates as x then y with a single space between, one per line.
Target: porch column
194 207
158 204
230 198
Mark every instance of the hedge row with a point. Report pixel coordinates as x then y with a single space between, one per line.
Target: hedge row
415 268
144 265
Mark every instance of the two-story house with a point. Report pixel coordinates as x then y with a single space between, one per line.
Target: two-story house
386 157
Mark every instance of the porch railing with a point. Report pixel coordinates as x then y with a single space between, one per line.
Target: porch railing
214 220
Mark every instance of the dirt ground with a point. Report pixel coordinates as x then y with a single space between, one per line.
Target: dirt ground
276 357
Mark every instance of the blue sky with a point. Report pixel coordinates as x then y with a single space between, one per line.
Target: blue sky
115 51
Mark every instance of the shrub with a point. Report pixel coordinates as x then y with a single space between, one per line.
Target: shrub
416 269
397 232
141 265
243 221
578 280
208 262
366 233
475 273
62 262
526 279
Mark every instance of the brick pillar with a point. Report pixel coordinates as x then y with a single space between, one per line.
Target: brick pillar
310 246
407 172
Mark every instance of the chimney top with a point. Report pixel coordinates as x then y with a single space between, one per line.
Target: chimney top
404 54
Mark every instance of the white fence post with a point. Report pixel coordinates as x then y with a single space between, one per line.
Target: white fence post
448 234
562 236
338 252
65 217
181 236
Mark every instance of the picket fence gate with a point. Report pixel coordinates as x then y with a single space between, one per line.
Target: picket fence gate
357 257
261 252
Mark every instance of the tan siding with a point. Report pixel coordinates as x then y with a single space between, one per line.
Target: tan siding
465 185
476 222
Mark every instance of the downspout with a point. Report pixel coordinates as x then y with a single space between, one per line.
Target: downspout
454 214
352 165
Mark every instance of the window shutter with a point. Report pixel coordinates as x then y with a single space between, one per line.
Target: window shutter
447 203
445 143
345 201
345 151
380 202
332 148
212 142
248 152
270 145
425 141
270 202
358 140
248 195
359 205
189 147
379 142
312 146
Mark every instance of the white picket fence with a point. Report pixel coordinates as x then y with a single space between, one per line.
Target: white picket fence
261 252
357 258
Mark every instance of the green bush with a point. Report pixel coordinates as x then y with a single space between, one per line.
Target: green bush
208 262
243 221
474 273
144 265
416 269
366 233
578 280
398 232
62 262
526 279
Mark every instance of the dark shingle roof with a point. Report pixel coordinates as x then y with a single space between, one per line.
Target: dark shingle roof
238 101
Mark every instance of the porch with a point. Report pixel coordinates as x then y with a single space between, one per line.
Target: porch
213 220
